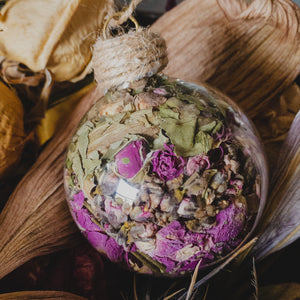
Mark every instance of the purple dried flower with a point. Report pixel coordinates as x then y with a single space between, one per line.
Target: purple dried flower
130 159
169 263
84 220
197 163
107 245
229 223
166 164
82 216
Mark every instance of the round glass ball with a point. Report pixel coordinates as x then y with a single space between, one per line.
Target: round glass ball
162 174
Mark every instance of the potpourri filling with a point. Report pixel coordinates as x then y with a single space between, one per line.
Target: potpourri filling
159 176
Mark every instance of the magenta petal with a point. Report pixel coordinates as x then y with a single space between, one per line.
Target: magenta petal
78 200
169 263
84 220
230 222
107 245
130 159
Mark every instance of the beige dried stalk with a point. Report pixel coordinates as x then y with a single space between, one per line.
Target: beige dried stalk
53 34
248 49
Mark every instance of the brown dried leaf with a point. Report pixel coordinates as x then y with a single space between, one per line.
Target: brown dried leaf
36 219
29 295
203 44
248 49
12 135
281 219
283 291
53 34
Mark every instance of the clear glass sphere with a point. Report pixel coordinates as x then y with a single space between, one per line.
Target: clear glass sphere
163 174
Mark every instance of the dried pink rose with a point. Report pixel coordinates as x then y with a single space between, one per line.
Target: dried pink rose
197 163
166 164
131 158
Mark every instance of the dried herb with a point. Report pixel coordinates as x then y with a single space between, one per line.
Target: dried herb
163 209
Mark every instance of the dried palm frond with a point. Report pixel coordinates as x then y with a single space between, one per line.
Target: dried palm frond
248 49
56 35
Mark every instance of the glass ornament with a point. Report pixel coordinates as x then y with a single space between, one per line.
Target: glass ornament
161 174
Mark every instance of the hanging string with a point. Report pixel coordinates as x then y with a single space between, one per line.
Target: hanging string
127 13
123 58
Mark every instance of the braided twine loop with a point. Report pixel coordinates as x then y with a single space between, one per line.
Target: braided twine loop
128 57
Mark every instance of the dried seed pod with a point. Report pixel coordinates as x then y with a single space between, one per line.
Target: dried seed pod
12 134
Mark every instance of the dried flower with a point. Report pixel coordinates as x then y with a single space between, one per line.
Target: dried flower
167 164
197 163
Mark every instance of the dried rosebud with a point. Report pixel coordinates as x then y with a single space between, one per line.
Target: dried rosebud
197 163
166 164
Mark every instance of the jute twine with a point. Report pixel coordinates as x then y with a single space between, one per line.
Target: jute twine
128 57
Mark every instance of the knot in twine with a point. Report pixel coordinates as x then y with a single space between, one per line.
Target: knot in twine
127 58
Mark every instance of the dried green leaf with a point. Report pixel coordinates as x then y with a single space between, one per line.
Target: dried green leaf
78 168
203 141
208 127
159 142
90 165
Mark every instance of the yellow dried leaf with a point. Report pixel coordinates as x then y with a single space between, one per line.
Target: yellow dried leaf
53 34
12 136
55 116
